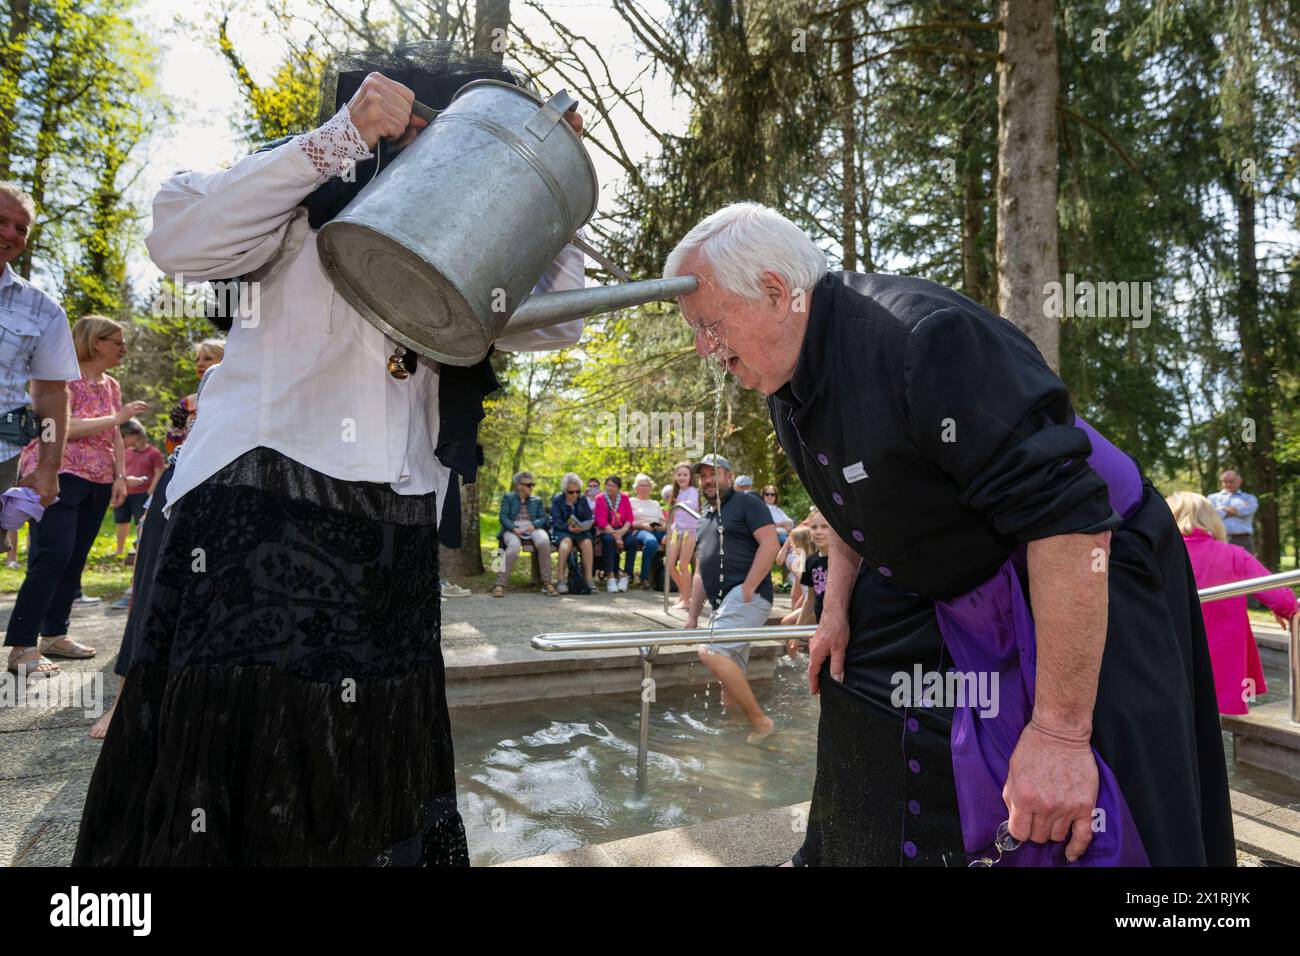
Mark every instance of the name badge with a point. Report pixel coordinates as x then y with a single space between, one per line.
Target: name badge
854 473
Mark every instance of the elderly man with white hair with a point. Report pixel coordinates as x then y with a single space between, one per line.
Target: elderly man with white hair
1011 657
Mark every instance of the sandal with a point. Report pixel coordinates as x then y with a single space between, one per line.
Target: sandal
66 647
549 590
499 591
34 667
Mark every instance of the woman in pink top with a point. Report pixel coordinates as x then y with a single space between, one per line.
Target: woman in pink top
1238 675
613 523
92 477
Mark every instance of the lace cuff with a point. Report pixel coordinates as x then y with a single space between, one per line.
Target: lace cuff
335 147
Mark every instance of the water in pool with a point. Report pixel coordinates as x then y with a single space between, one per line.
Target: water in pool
550 775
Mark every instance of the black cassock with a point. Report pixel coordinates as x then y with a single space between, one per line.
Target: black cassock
936 441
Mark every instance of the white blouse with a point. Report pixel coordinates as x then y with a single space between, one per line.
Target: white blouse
304 374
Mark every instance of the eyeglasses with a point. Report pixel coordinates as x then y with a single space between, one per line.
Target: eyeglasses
769 494
1004 842
527 484
574 491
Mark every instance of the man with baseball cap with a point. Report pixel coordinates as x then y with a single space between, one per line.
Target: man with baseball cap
734 574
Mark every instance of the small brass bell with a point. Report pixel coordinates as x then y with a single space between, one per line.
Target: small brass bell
397 365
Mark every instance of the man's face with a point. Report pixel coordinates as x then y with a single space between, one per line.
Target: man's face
757 340
1230 480
714 481
14 226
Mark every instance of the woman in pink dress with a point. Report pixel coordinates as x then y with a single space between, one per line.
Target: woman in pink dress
1238 675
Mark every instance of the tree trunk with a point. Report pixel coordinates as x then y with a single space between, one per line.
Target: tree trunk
1028 82
848 139
1262 466
973 279
11 69
467 560
491 16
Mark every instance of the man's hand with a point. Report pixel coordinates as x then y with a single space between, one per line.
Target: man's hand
45 485
1051 790
746 593
119 493
381 109
830 639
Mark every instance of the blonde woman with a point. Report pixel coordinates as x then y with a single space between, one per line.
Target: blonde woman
207 353
1238 674
91 479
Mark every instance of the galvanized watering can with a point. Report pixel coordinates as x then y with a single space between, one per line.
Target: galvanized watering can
442 249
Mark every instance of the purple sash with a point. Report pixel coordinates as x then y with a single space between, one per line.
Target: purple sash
990 630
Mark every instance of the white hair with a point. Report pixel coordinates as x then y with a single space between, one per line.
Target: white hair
20 196
743 240
571 478
640 478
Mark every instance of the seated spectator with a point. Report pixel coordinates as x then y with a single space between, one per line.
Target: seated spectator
648 530
523 517
784 523
571 524
613 523
144 465
1238 674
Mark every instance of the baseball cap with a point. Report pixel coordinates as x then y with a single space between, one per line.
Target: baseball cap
713 461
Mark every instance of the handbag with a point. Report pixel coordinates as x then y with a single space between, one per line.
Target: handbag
18 426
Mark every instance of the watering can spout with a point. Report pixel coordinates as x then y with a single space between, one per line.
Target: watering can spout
552 308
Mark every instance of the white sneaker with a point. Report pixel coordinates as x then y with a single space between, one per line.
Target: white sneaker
85 601
611 585
563 587
451 590
623 582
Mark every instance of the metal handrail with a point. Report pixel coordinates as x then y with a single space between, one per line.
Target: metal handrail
648 643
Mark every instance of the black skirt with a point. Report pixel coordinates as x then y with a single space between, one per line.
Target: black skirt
286 702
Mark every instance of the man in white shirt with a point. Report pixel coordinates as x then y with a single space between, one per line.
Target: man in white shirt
36 347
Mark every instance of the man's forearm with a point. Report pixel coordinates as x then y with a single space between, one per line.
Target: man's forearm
764 558
843 572
50 402
1068 589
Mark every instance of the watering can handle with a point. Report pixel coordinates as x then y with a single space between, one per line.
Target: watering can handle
550 113
600 257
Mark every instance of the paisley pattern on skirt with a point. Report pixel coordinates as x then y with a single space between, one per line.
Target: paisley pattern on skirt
286 704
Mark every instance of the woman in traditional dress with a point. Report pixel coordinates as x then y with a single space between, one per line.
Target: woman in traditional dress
287 702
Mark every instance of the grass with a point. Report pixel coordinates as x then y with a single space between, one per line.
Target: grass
105 576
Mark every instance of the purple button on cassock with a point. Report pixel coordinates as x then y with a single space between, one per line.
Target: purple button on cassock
821 457
914 765
839 499
909 849
914 808
885 572
913 724
858 535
